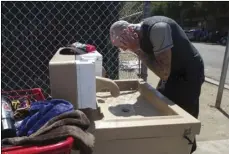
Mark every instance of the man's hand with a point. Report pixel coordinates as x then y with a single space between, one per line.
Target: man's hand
130 39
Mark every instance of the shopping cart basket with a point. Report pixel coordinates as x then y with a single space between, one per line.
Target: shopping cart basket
63 147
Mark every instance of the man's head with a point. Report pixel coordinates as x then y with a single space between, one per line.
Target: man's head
125 35
116 31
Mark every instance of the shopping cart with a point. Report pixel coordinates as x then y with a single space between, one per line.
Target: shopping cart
63 147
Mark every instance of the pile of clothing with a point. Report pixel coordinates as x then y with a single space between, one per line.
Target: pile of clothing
51 121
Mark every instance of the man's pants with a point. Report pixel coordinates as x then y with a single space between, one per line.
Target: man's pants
183 93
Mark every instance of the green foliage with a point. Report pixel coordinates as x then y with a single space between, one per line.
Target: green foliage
213 8
189 9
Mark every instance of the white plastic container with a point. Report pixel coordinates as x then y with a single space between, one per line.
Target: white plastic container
96 57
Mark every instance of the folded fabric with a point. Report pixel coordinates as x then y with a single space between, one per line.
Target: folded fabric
77 48
85 47
40 112
57 129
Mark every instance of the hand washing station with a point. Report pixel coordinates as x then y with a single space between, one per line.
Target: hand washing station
141 121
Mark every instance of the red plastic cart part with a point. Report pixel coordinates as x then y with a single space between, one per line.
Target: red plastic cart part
36 92
61 147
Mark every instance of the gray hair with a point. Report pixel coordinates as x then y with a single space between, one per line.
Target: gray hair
116 30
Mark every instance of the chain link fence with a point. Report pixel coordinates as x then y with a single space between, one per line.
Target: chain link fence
129 66
33 31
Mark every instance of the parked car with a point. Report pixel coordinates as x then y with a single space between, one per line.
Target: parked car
214 36
190 34
194 34
204 35
223 40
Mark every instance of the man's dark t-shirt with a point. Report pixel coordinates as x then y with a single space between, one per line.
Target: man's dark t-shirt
187 69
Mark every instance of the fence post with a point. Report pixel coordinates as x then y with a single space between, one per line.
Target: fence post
146 13
223 75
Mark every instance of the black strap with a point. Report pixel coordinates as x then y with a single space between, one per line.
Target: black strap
189 140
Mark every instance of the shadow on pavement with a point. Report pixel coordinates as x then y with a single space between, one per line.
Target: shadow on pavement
221 110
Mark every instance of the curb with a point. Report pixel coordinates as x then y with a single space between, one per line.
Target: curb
209 80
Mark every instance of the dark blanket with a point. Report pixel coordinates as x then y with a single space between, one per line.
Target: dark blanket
41 112
57 129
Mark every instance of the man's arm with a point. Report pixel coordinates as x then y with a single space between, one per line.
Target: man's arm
161 66
161 39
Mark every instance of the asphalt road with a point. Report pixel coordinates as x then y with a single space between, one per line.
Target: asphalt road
213 58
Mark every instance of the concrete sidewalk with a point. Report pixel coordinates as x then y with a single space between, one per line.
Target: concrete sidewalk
213 147
214 135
